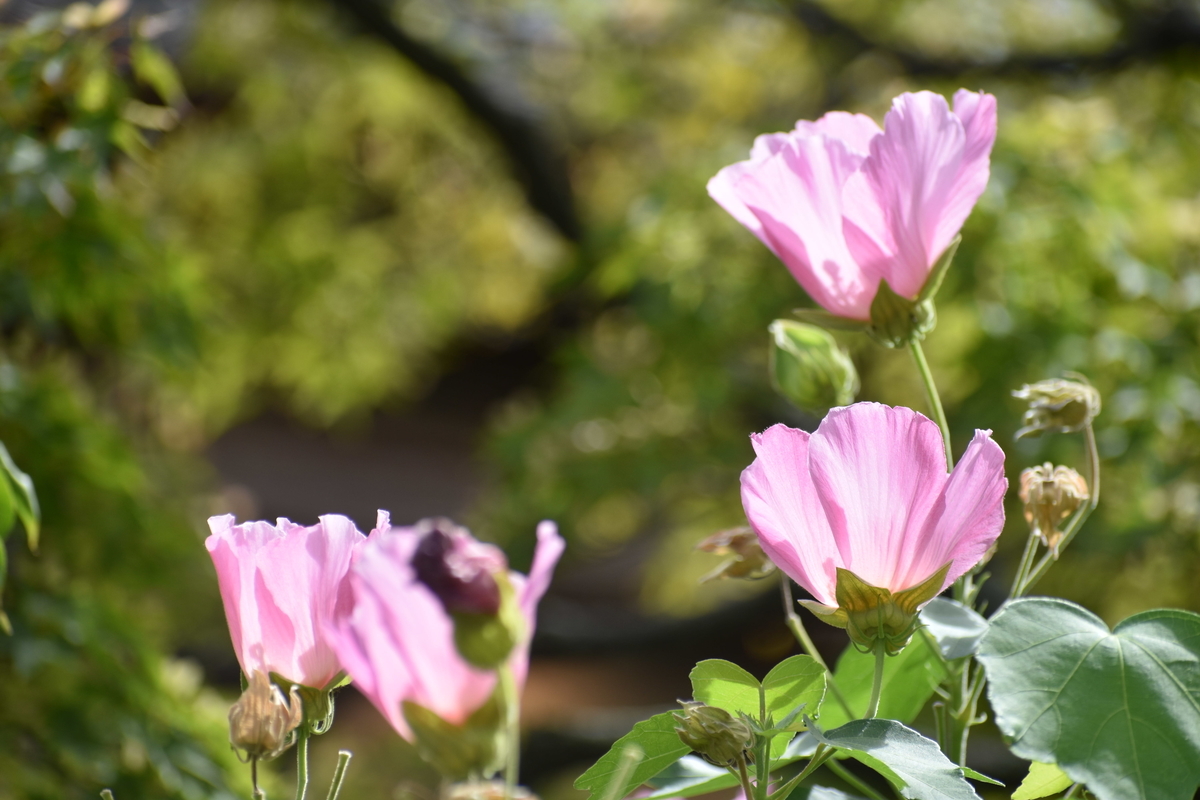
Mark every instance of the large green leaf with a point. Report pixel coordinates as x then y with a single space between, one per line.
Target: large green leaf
726 685
660 745
911 763
1118 711
794 682
956 628
908 682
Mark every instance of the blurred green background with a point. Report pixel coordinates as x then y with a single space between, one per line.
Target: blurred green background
456 256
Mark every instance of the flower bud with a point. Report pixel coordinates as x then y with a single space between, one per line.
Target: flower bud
1051 494
808 368
261 722
746 556
715 734
1058 406
458 569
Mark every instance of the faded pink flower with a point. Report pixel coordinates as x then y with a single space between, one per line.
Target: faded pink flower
397 642
844 204
280 585
868 492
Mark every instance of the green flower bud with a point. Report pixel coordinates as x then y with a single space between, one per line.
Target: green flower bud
715 734
1058 406
809 369
486 640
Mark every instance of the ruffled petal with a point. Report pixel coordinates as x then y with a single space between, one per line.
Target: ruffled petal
977 112
784 510
855 131
722 187
796 196
878 472
530 590
970 515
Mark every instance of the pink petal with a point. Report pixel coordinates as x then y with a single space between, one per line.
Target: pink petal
978 115
722 187
855 131
783 508
530 589
913 170
796 196
878 472
968 518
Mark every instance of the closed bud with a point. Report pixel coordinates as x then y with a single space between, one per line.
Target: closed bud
746 558
715 734
1057 406
809 369
1051 494
261 722
459 570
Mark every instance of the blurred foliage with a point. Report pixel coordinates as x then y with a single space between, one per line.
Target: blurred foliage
316 225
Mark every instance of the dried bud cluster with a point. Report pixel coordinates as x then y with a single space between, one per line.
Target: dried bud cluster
746 557
458 569
261 722
1051 494
1057 406
715 734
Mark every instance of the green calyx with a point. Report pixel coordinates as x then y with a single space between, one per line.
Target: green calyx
715 734
897 321
318 703
871 613
472 750
487 640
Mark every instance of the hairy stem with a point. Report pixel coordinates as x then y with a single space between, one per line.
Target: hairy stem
744 776
796 625
877 684
302 763
339 774
935 400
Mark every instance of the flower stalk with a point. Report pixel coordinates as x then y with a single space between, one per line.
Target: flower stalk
877 684
796 626
339 774
512 716
302 762
935 399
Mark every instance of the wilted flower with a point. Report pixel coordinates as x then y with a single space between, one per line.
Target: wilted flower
281 584
715 734
261 721
1051 494
746 557
863 515
1058 406
398 643
846 205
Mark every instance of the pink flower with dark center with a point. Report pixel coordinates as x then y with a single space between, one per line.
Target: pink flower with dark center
281 584
397 639
844 204
868 492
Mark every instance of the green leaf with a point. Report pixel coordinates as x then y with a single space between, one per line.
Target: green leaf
726 685
908 682
660 745
690 776
957 628
1118 711
155 69
24 498
1043 780
793 682
911 763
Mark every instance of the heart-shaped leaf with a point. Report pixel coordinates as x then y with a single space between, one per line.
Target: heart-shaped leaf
1118 711
660 745
726 685
957 628
794 682
911 763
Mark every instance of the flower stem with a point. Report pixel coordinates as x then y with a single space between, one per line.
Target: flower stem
820 756
339 774
744 776
302 763
852 780
1024 565
935 400
512 710
877 685
796 625
255 792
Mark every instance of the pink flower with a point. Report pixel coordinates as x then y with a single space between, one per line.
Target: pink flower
280 585
844 204
397 642
868 492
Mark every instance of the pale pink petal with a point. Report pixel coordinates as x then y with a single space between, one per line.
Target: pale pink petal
969 516
796 196
768 144
878 472
978 115
913 169
853 130
229 580
722 187
530 589
784 510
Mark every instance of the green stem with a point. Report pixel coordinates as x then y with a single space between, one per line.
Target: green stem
744 776
512 709
935 400
256 793
820 756
877 685
302 763
339 774
1025 564
796 625
852 780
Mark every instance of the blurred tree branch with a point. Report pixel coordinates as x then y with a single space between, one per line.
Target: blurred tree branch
1148 35
537 159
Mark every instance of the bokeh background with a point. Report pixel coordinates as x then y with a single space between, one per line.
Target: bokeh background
296 257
